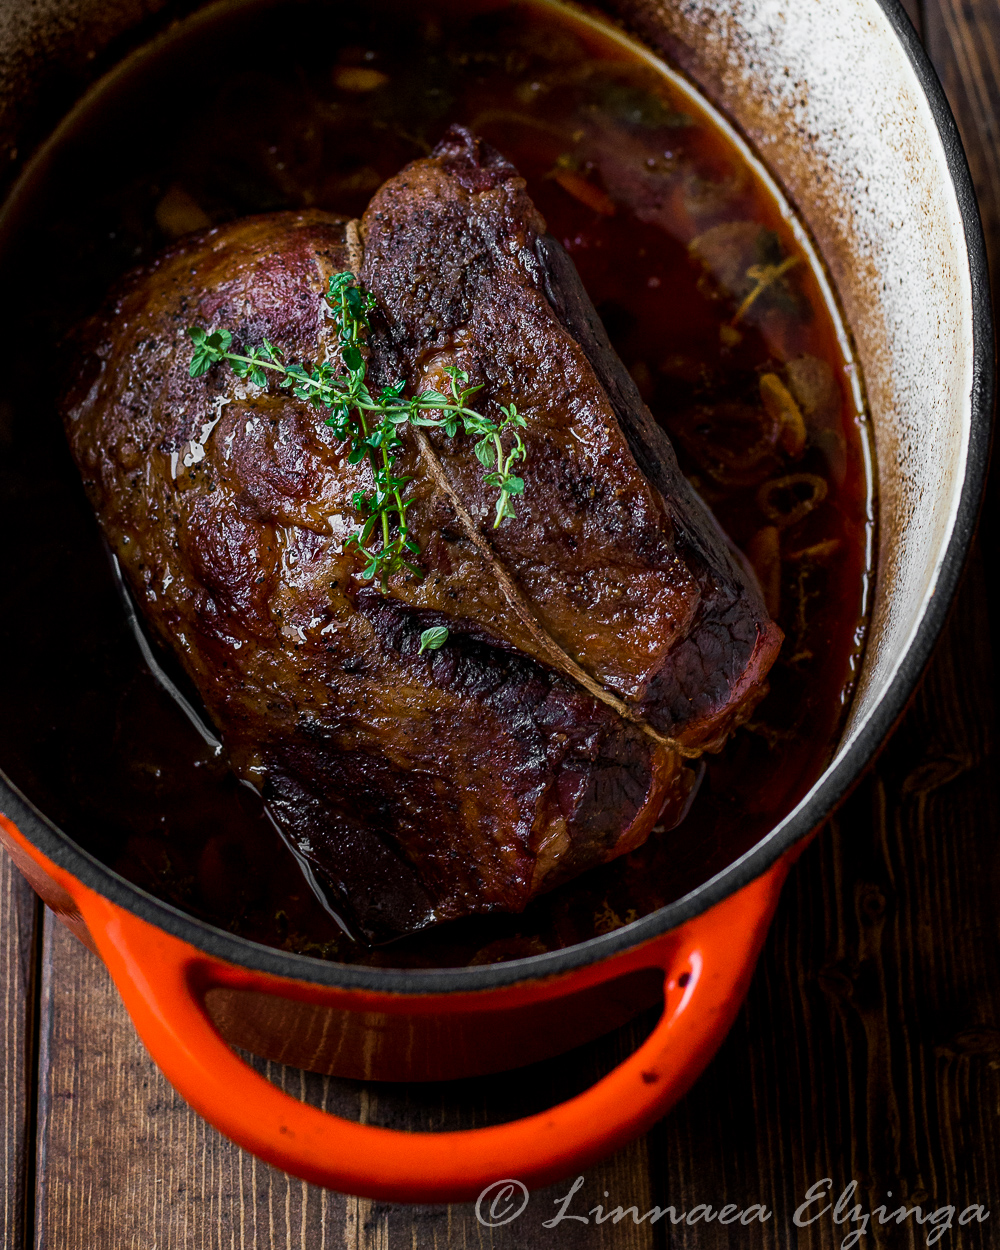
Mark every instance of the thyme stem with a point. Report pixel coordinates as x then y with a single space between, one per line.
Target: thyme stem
372 425
560 660
340 387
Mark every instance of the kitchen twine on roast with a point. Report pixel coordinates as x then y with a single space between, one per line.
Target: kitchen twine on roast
558 657
507 1200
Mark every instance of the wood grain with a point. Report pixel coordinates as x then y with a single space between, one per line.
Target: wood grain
19 914
962 38
124 1162
915 12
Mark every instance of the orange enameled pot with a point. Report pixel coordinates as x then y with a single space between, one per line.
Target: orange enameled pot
845 107
166 983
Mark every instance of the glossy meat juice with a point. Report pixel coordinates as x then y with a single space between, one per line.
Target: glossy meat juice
708 297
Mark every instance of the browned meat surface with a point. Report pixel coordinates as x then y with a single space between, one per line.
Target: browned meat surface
617 555
468 779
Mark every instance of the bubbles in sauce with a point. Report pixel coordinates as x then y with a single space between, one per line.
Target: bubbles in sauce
709 292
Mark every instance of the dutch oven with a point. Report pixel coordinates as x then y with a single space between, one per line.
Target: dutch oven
844 108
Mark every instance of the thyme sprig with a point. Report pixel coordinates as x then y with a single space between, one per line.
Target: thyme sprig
372 425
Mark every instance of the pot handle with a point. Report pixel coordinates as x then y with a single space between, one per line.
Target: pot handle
707 966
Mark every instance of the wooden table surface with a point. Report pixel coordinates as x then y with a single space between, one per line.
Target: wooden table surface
868 1050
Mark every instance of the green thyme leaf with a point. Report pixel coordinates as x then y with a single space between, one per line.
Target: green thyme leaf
433 639
371 427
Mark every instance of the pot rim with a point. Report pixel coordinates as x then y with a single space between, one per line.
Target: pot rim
818 804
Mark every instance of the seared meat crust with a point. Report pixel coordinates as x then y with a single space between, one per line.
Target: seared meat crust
418 788
618 557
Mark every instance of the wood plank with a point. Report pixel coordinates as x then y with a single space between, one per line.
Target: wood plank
915 12
124 1162
18 918
962 38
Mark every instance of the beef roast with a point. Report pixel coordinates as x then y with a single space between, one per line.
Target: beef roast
420 787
